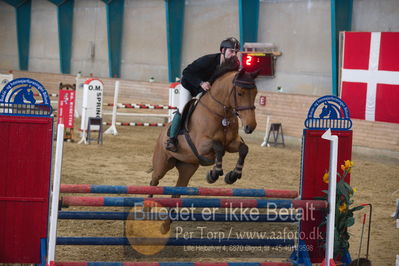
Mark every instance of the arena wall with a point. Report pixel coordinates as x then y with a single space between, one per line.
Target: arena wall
285 108
299 28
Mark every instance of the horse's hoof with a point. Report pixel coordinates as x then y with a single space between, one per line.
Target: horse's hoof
231 177
213 175
165 227
210 178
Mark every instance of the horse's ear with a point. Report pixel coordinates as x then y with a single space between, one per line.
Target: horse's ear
255 74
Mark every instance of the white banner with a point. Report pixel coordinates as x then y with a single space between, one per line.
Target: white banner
4 79
92 105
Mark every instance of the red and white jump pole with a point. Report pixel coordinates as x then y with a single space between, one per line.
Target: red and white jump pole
173 100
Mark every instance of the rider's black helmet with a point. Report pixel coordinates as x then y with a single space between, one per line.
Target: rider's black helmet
231 42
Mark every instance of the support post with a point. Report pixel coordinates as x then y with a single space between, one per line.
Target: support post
112 129
341 20
264 143
65 26
174 35
23 11
115 10
249 20
55 195
332 188
83 123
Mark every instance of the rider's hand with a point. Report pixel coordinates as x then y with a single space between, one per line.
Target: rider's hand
205 85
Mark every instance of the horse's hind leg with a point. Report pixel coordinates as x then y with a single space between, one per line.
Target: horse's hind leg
242 149
186 171
161 164
217 170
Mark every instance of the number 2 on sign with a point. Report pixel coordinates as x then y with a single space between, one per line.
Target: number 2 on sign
248 62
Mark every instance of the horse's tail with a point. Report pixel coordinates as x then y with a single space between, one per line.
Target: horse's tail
150 170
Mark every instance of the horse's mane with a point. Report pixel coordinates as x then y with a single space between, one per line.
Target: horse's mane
229 65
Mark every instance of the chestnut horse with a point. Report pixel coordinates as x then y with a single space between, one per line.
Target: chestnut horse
212 130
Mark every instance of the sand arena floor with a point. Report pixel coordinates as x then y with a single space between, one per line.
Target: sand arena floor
124 159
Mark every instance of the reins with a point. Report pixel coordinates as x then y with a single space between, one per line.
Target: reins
234 109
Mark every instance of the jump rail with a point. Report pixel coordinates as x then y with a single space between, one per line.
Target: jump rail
177 216
197 191
112 129
194 202
142 106
135 124
123 241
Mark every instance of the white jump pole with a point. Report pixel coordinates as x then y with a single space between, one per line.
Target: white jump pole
112 129
79 94
264 143
83 122
55 195
332 188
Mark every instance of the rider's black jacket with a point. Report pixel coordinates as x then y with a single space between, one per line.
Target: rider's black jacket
200 70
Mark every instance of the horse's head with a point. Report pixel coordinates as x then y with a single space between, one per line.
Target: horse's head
243 98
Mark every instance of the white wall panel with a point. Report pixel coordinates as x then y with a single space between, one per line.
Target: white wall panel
8 37
44 48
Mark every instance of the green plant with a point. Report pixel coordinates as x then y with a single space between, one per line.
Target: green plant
343 209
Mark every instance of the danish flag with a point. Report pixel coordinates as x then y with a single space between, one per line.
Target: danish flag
370 75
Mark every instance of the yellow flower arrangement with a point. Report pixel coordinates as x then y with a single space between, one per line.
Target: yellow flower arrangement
343 212
325 177
347 166
342 207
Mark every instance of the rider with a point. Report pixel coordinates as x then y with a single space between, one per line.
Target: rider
195 80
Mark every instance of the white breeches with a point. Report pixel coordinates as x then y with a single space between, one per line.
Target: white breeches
184 98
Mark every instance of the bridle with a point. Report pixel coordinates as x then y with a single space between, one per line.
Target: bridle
235 109
243 84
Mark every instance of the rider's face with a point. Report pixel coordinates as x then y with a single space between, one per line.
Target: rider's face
229 52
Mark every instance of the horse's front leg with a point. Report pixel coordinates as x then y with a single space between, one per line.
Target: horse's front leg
242 149
217 170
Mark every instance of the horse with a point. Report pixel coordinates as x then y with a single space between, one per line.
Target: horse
212 130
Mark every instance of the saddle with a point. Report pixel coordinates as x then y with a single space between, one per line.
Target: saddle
186 115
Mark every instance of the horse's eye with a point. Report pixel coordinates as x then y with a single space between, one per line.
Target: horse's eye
239 94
